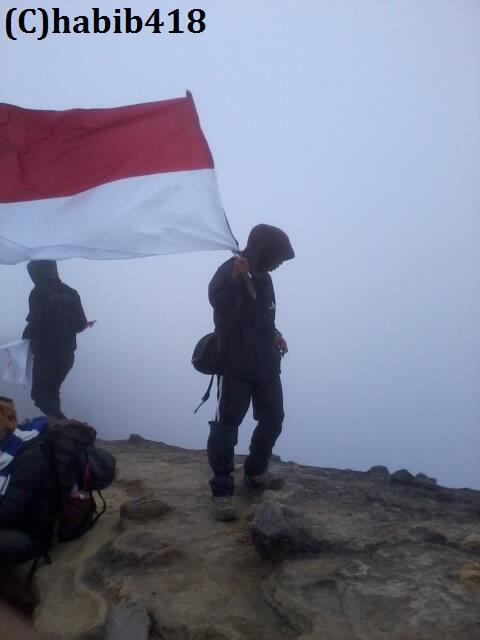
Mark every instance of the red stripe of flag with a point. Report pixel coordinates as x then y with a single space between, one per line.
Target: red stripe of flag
46 154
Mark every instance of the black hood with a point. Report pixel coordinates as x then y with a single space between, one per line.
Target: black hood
41 270
267 246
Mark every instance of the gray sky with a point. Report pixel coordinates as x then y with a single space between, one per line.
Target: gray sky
355 126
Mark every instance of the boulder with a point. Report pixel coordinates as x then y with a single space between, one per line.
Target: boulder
142 509
402 476
379 472
424 482
278 532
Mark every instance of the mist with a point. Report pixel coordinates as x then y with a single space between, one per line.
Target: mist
355 127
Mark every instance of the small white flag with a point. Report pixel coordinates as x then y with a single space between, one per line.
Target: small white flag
19 367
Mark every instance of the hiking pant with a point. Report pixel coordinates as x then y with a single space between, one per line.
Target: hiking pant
234 398
49 371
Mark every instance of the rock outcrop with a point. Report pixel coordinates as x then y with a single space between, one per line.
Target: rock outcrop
333 555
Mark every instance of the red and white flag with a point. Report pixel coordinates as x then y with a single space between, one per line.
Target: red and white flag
125 182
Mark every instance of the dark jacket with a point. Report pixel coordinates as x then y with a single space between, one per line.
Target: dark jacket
246 325
29 502
56 312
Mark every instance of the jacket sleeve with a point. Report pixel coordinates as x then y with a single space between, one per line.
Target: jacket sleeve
225 296
80 318
35 317
26 478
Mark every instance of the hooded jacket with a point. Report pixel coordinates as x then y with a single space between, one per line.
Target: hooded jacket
246 325
56 312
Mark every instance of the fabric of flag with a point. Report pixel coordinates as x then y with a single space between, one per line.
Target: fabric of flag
125 182
13 443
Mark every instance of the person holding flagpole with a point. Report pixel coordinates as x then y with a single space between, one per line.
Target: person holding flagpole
243 300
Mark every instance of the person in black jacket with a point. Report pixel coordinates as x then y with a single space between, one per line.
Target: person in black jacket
27 504
56 316
243 300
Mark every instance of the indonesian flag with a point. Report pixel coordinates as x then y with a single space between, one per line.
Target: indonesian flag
126 182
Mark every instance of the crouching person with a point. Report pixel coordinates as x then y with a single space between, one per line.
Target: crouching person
27 489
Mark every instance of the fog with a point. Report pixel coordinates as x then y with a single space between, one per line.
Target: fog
353 126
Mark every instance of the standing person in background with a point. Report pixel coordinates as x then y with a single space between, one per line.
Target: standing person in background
243 300
56 316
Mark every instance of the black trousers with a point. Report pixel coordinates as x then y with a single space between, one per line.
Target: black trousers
49 371
234 397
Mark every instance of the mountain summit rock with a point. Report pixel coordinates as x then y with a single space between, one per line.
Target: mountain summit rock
332 555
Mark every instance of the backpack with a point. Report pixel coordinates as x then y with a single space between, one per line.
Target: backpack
81 468
208 357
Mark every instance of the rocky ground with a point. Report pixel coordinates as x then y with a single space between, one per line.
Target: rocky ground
334 555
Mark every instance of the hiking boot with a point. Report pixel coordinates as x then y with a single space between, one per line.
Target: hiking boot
265 480
224 511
